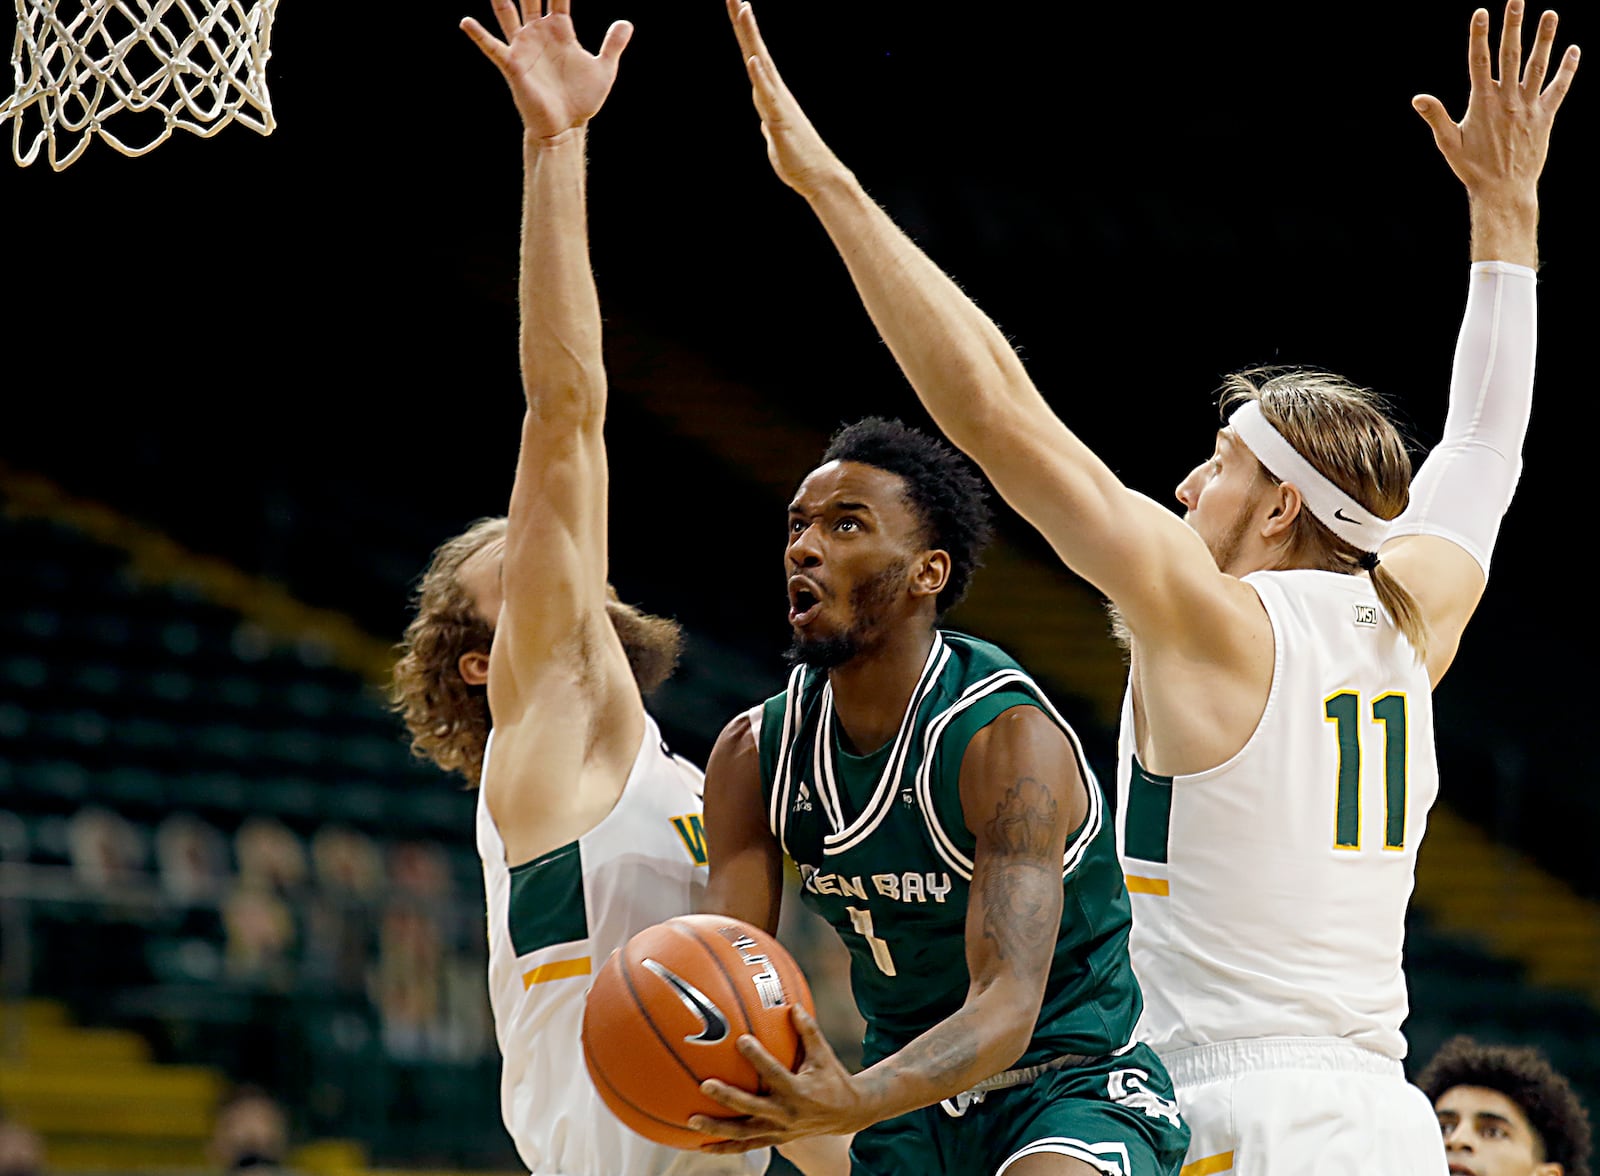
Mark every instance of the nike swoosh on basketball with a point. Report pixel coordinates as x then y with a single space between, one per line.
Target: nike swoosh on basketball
714 1024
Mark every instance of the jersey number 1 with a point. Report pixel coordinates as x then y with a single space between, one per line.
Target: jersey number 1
1343 710
861 924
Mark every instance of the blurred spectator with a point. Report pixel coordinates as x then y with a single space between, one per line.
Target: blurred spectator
408 981
270 855
21 1151
411 948
192 858
420 869
258 915
1505 1111
250 1133
339 924
260 935
347 862
107 851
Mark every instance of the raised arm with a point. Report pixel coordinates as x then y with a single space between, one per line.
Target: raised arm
974 386
1022 795
746 862
1441 545
555 653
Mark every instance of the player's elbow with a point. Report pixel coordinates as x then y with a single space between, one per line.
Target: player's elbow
1010 1012
993 420
568 398
1010 1042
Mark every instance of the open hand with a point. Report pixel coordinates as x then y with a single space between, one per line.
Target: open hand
558 85
1498 149
818 1099
798 154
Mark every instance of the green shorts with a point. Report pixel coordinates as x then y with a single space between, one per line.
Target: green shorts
1115 1114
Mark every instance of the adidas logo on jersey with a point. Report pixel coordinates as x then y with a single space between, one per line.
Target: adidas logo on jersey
1366 616
802 799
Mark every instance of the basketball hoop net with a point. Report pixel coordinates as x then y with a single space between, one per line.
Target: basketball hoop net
159 64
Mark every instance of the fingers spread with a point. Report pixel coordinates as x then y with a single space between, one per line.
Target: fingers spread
1446 134
743 1145
736 1135
507 16
734 1099
1429 107
1478 59
492 49
1557 89
617 38
773 1072
815 1044
564 7
1539 59
1511 43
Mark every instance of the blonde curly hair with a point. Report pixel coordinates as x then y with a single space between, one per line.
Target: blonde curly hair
448 718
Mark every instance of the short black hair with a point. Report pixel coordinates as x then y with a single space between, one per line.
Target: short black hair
1524 1075
943 490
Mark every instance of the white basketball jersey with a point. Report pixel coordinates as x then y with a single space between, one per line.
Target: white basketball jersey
552 923
1269 894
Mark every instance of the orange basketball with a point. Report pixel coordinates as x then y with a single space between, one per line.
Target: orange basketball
665 1012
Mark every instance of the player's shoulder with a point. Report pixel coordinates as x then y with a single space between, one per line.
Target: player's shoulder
986 685
744 729
982 675
974 656
801 690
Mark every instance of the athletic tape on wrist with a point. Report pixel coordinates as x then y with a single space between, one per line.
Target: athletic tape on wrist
1335 509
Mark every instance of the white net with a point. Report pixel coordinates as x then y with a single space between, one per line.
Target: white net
157 65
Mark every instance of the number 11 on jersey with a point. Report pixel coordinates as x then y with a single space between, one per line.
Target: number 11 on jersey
1344 711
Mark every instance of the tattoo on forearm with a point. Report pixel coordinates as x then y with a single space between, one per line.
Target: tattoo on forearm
1020 883
947 1049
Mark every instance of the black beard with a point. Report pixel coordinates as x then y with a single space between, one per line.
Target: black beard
869 601
823 653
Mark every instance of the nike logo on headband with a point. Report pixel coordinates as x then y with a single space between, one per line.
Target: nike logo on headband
714 1026
1339 514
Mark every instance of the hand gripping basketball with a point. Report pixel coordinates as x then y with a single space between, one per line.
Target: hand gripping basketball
666 1013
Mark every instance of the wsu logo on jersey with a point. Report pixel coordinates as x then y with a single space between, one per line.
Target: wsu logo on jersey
693 834
1366 616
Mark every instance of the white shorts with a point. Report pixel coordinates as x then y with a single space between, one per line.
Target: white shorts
1302 1106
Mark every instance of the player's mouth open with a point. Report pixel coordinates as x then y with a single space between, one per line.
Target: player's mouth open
805 600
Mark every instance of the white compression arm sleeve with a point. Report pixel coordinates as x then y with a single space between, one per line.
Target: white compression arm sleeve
1463 489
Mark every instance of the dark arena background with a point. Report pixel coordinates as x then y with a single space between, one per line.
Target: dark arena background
248 384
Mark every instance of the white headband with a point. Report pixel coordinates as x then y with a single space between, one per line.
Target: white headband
1335 509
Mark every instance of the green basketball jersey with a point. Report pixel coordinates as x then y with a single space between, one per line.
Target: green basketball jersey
885 855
